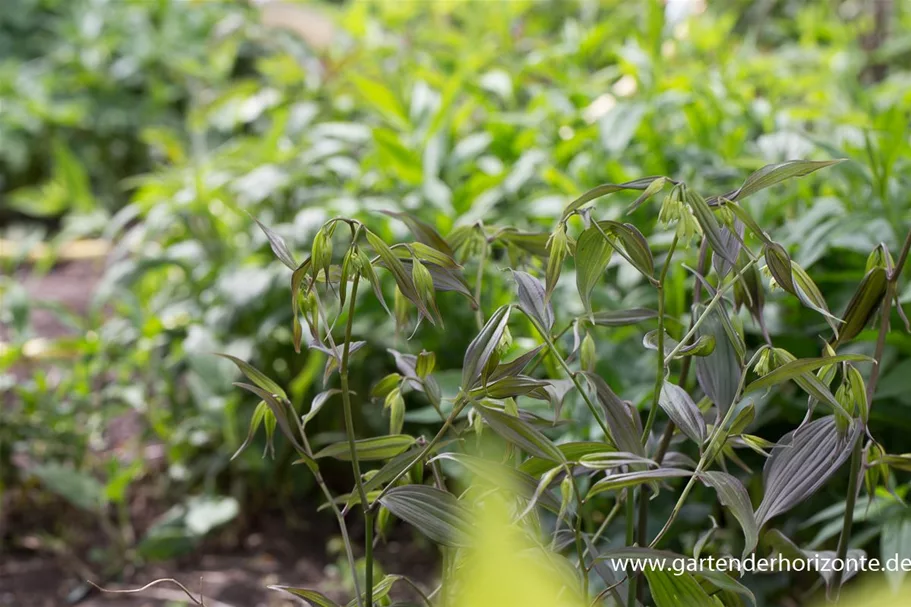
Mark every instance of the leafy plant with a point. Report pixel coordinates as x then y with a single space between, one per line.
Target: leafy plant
627 457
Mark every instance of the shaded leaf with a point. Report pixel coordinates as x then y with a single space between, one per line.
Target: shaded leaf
607 460
605 189
423 232
520 433
483 346
256 376
279 247
620 318
631 479
593 253
437 514
683 411
772 174
311 597
624 430
572 453
733 495
533 299
278 410
718 373
710 226
368 449
801 463
863 305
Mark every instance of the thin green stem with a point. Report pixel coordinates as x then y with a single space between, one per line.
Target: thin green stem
352 446
659 375
553 349
711 306
845 536
479 281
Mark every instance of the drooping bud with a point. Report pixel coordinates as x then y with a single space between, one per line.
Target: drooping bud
425 364
588 353
880 257
396 405
672 206
557 249
423 285
858 390
321 252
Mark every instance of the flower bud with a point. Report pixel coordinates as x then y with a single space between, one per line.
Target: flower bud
321 252
588 353
425 363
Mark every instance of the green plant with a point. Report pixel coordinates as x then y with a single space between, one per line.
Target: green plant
622 458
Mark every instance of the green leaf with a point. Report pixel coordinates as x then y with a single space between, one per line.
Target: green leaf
625 433
572 453
437 514
683 411
520 433
423 232
311 597
895 542
710 226
317 403
615 482
368 449
593 253
401 275
78 488
800 371
279 247
605 189
773 174
256 376
779 264
733 495
718 373
672 590
801 463
608 460
483 346
279 410
533 299
621 318
634 246
258 415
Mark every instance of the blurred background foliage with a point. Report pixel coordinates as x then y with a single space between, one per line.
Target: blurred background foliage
159 128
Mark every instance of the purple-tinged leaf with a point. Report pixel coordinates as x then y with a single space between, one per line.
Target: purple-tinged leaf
683 411
533 299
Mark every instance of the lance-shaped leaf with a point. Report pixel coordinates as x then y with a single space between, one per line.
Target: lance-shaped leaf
483 346
801 463
709 224
622 318
277 406
400 273
801 371
593 253
744 216
530 242
423 232
683 411
311 597
719 372
733 495
772 174
605 189
653 188
520 433
667 561
615 482
634 246
318 401
515 366
625 432
368 449
608 460
533 299
572 453
510 387
437 514
731 240
672 590
279 247
431 256
866 301
262 409
256 376
297 279
810 295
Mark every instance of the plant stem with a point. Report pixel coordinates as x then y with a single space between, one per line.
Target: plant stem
857 451
352 447
553 350
479 280
711 306
659 376
845 536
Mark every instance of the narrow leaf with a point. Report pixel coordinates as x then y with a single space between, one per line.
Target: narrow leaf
615 482
279 247
772 174
593 253
368 449
625 432
482 347
256 376
863 305
683 411
437 514
710 226
311 597
533 299
621 318
733 495
520 433
605 189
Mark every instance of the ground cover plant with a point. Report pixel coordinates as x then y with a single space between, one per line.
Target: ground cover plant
481 125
